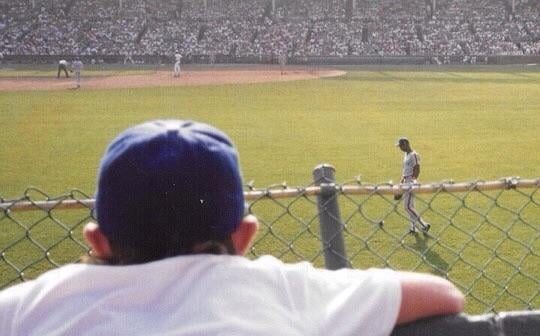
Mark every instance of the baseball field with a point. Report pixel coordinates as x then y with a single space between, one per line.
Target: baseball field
467 123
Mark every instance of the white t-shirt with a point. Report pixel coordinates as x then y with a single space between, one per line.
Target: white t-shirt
178 57
62 62
409 161
203 295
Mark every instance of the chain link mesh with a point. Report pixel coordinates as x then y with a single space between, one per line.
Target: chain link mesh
486 241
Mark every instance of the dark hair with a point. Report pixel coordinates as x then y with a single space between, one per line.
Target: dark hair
124 254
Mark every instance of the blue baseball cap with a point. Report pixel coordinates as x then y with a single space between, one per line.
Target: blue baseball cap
168 178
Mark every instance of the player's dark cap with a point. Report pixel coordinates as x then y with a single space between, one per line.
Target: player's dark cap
402 140
167 178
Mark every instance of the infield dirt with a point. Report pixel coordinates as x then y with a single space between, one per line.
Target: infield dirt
165 79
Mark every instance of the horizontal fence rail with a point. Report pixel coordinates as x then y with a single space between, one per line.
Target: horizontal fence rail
504 324
284 191
484 237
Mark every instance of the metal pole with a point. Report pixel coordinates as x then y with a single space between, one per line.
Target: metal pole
335 256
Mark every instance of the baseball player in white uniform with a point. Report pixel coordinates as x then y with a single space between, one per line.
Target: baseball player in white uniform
62 66
77 67
282 59
411 171
177 58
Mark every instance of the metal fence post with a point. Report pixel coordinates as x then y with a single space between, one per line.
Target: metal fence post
335 256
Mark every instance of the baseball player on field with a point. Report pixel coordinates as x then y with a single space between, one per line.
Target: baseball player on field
77 66
282 59
62 66
411 171
178 58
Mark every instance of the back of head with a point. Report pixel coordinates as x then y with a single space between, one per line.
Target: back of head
167 185
402 141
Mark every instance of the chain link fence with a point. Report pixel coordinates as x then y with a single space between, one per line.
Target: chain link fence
484 235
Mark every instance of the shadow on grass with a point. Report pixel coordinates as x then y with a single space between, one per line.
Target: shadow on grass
434 260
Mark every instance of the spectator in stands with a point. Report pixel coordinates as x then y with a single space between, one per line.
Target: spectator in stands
167 258
302 27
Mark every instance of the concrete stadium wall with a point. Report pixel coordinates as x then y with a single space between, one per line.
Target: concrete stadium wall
532 59
272 59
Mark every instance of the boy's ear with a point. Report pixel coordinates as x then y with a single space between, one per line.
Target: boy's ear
244 234
99 243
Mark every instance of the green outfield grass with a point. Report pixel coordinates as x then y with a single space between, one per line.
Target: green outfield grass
466 123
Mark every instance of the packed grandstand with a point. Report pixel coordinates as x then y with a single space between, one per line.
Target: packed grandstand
296 28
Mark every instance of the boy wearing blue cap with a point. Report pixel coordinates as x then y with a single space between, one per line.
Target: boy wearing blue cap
167 254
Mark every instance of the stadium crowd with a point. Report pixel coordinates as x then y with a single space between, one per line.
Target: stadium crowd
255 28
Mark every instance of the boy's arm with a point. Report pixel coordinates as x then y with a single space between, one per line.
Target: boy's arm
424 295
